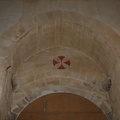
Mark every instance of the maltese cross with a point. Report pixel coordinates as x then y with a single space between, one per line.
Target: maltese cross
61 62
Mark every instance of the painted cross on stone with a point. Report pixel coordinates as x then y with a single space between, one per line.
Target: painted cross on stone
61 62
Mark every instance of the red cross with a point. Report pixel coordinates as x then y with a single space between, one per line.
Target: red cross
60 61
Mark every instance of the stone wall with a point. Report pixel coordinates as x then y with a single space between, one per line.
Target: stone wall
34 30
5 90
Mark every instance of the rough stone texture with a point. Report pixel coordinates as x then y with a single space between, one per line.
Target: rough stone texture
5 93
38 72
33 33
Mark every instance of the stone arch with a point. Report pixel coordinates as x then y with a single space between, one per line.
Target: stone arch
29 87
103 46
104 106
109 47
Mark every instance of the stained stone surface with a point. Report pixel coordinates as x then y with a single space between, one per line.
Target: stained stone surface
35 32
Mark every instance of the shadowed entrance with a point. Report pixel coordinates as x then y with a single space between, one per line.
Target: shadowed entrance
62 106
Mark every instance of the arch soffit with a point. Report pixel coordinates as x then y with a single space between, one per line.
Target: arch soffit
26 24
101 29
29 25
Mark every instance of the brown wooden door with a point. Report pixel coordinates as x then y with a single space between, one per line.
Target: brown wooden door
62 107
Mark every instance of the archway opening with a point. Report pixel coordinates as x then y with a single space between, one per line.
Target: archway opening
62 106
